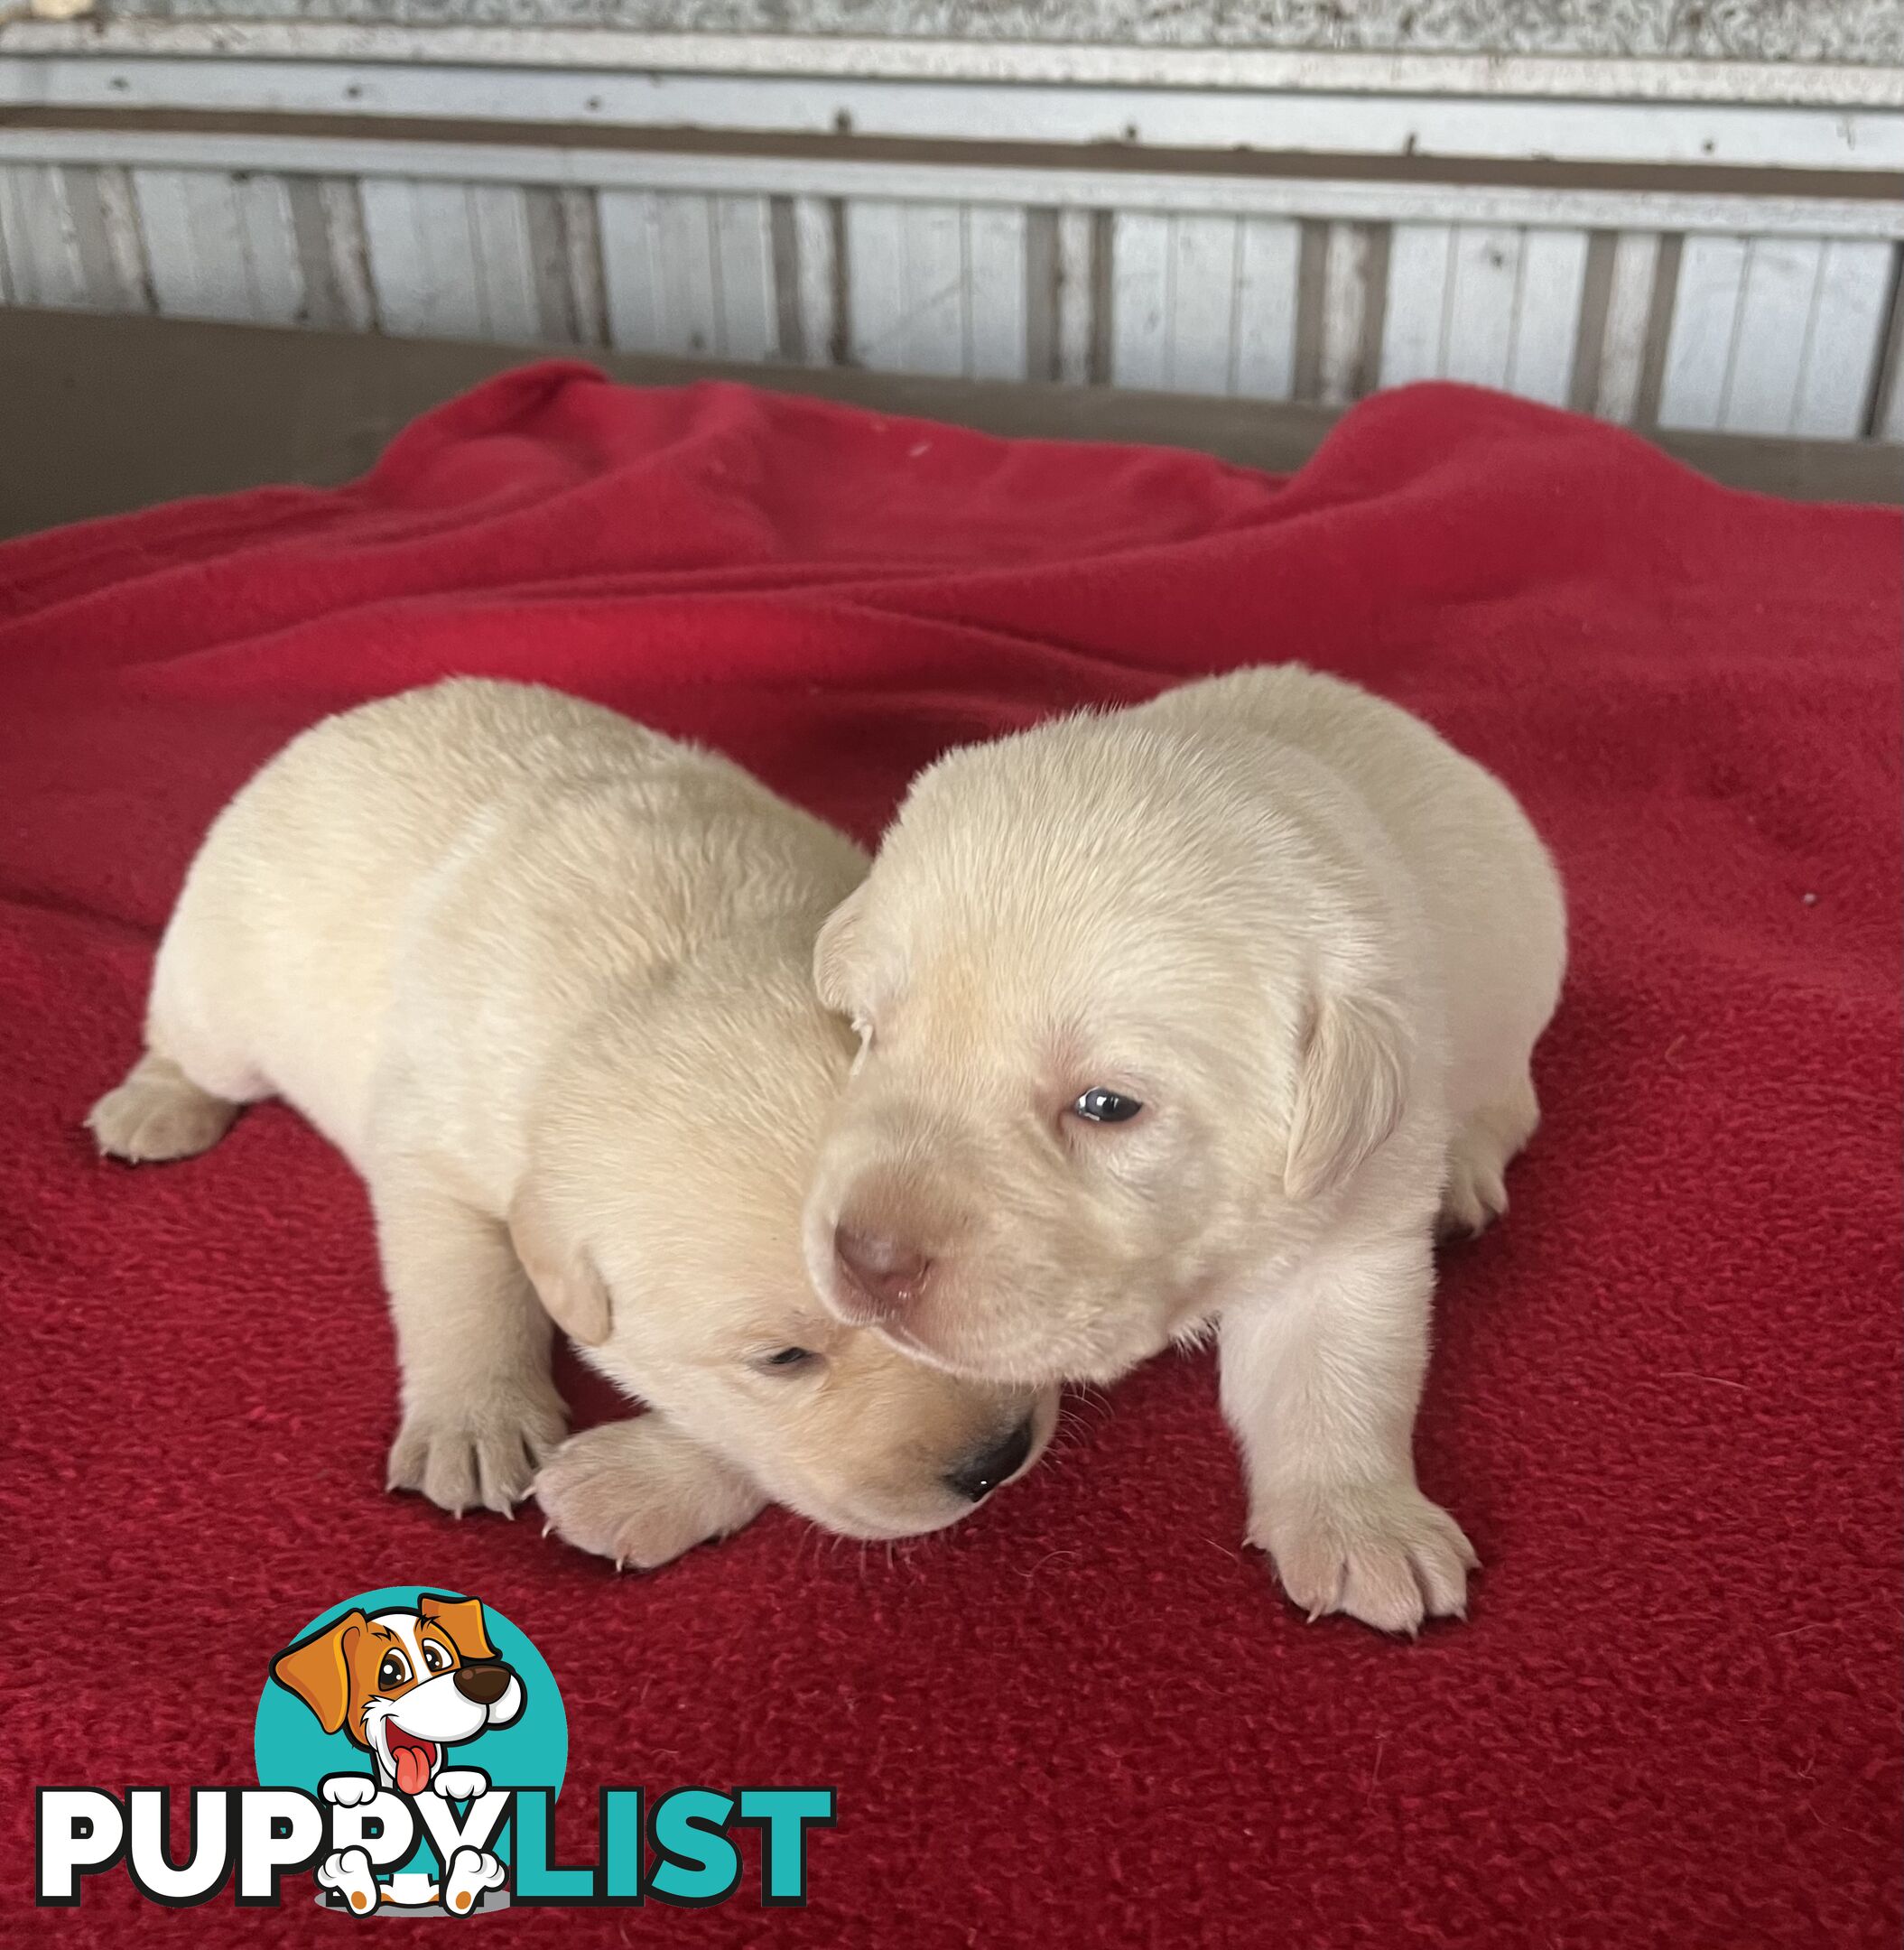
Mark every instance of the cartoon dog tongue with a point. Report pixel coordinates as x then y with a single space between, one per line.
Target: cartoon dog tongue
410 1757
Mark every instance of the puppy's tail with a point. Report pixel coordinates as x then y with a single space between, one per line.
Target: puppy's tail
158 1114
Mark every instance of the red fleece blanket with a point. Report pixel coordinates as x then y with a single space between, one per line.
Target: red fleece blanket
1665 1400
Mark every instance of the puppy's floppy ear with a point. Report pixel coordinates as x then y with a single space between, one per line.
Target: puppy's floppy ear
834 949
317 1669
1349 1095
565 1277
462 1619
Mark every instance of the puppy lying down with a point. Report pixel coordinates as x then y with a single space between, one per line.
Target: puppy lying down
542 976
1201 1013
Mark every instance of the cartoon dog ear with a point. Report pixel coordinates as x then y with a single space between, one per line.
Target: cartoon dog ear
1349 1095
572 1292
317 1669
462 1619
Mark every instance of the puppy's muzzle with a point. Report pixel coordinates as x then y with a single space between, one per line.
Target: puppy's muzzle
484 1683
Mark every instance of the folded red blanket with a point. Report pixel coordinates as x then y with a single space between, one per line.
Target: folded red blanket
1666 1397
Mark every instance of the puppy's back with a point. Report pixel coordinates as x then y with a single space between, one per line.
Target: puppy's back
277 973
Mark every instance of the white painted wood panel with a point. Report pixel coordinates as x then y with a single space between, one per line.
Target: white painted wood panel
877 289
935 335
813 249
1348 201
746 322
423 257
1546 327
933 332
36 238
1141 300
1486 273
1779 334
1705 323
581 242
1630 300
505 263
220 246
1847 339
1076 303
275 282
450 260
1415 326
1382 120
1200 350
1488 306
99 223
694 275
122 284
1346 300
348 247
631 269
996 297
192 242
690 289
1892 427
1269 257
1775 313
907 281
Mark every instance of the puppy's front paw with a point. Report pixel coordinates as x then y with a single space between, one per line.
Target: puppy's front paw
1384 1554
348 1872
470 1872
461 1784
348 1790
478 1453
639 1494
157 1114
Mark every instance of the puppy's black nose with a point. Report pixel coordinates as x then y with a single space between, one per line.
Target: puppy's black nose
483 1683
978 1476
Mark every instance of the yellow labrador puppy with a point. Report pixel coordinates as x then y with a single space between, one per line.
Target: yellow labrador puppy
1198 1014
542 976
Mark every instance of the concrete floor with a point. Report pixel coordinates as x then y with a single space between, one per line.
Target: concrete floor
100 414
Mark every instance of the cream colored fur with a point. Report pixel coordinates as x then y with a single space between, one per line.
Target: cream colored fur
1318 945
542 975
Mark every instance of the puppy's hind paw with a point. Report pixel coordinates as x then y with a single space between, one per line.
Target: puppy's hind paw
640 1494
477 1454
1384 1554
158 1114
1474 1194
1472 1199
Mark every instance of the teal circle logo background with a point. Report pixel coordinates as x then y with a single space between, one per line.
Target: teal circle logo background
294 1750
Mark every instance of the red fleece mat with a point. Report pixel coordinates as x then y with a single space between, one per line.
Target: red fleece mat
1665 1400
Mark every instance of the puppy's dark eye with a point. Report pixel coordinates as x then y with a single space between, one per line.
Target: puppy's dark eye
434 1657
788 1359
393 1671
1105 1106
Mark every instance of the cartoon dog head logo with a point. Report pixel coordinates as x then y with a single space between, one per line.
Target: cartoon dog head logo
425 1723
405 1684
